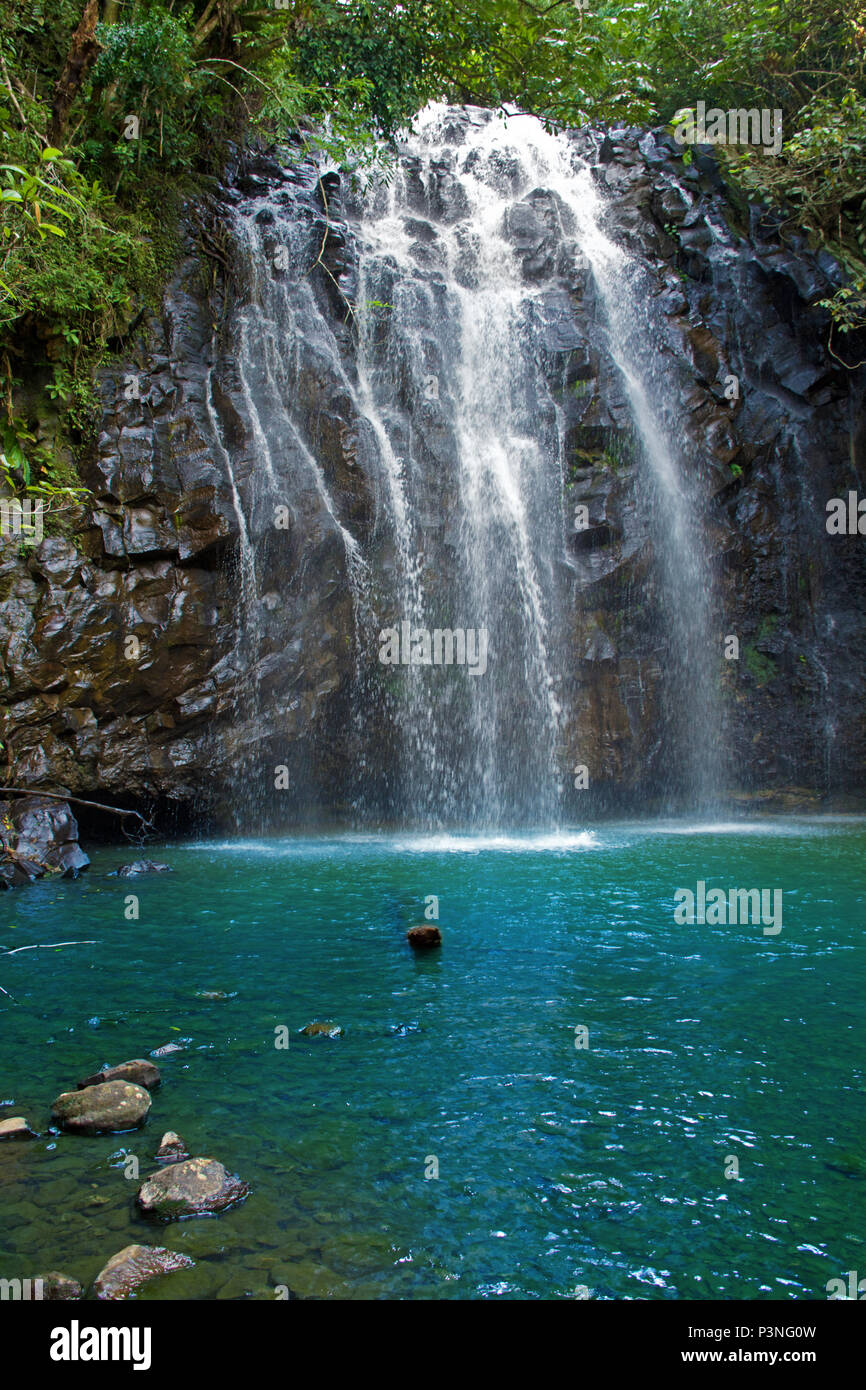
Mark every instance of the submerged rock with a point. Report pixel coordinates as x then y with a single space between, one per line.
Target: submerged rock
326 1030
106 1108
16 1127
139 1070
57 1288
195 1187
423 937
172 1148
134 1265
141 866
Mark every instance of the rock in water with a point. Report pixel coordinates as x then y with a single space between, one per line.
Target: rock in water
58 1287
423 937
16 1127
139 1070
130 1267
141 866
107 1108
327 1030
171 1149
166 1050
46 838
192 1188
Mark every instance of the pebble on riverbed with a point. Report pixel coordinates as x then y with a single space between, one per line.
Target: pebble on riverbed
139 1071
133 1265
107 1108
196 1187
16 1127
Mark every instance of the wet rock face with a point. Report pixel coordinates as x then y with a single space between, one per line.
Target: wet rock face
196 1187
38 835
120 661
110 1107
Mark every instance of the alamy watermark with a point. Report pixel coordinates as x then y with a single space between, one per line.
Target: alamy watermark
735 127
21 1289
737 907
416 646
846 516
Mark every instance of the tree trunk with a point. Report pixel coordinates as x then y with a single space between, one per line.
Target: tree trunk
79 60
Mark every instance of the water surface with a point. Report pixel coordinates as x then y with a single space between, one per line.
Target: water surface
558 1167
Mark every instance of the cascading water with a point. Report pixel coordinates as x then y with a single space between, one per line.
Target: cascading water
446 382
634 344
458 393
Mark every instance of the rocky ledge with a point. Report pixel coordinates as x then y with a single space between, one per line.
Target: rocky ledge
38 836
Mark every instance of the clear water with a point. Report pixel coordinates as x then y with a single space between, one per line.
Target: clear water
557 1167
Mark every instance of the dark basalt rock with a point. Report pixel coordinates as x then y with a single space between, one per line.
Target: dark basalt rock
140 866
422 938
39 836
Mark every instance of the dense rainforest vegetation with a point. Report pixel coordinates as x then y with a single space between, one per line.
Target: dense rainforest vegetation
112 111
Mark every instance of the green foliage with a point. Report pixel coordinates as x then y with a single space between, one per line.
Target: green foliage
146 71
86 224
762 667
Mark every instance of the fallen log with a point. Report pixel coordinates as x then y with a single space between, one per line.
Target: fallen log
79 801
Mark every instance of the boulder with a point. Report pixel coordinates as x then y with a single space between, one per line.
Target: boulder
40 836
423 937
133 1265
16 1127
106 1108
195 1187
326 1030
171 1149
139 1070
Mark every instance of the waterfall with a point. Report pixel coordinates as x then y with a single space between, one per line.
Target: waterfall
635 344
445 376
